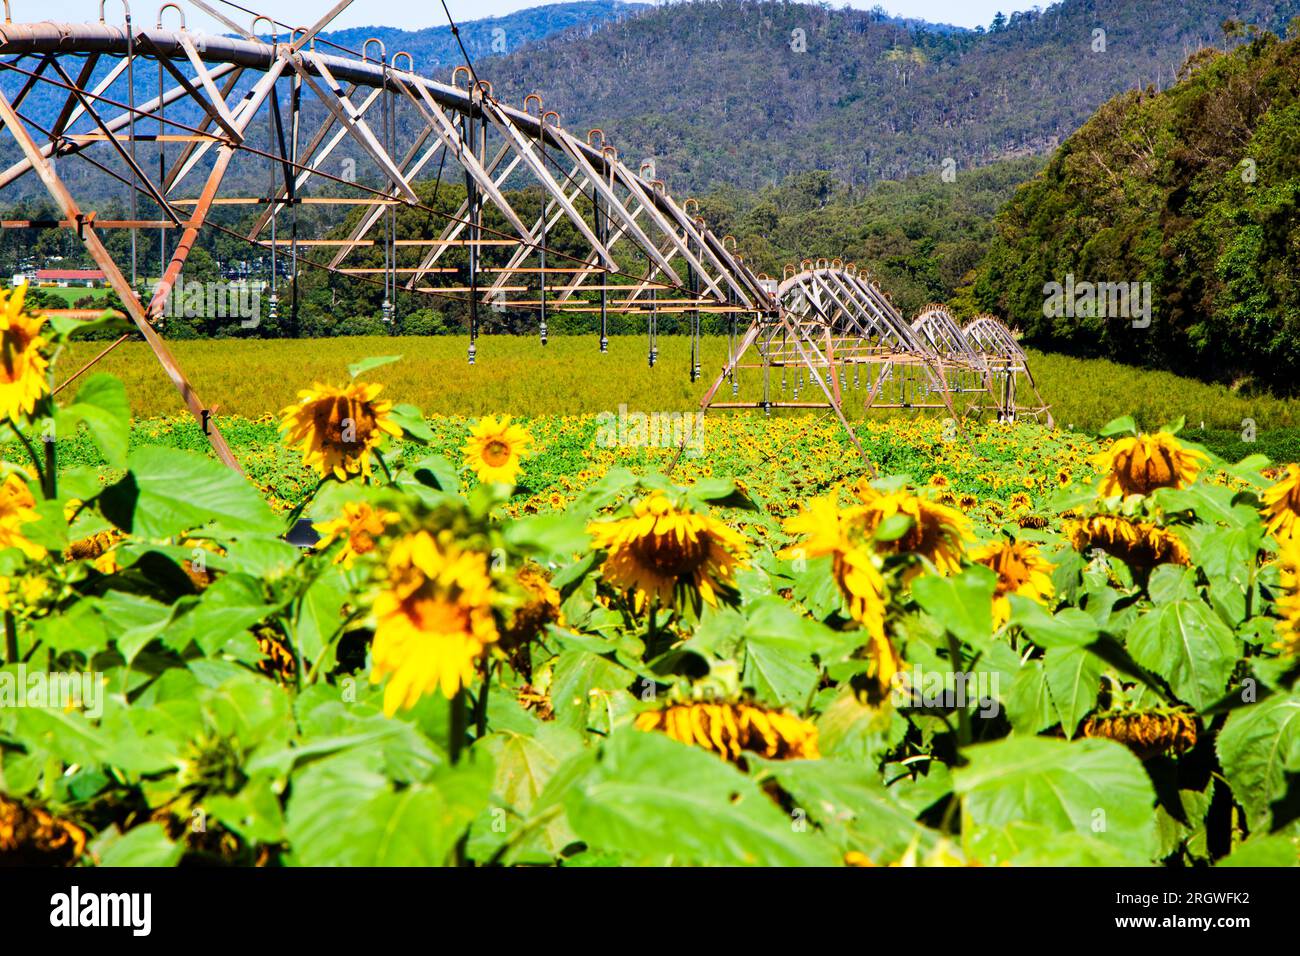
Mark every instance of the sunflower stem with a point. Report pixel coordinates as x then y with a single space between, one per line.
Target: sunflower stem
963 718
51 486
456 733
11 639
31 452
481 705
384 465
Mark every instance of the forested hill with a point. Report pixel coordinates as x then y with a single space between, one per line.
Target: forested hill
1195 190
435 47
730 91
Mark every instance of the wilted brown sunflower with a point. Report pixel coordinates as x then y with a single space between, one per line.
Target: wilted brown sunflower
1140 544
1147 734
730 729
32 836
1140 464
278 661
540 608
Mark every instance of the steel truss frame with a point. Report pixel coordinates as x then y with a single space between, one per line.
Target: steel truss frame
638 251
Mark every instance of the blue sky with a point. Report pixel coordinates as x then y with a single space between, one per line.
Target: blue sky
413 17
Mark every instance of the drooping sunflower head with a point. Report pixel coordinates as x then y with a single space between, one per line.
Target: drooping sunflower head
495 447
935 532
1288 605
540 607
18 508
1282 505
670 554
338 428
23 365
360 525
1148 734
1020 570
731 729
1140 464
433 620
1140 544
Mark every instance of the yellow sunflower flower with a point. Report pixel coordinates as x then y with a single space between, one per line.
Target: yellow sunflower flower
937 532
338 428
1288 605
1020 570
830 530
730 729
17 508
1282 505
666 553
1138 465
433 621
358 526
23 366
494 449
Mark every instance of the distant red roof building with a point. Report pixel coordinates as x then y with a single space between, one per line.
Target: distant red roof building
69 275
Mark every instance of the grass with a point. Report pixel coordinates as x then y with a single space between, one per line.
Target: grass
515 374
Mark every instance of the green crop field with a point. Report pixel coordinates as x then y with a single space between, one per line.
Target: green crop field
516 375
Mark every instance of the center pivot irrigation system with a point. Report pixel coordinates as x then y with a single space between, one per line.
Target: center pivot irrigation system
598 238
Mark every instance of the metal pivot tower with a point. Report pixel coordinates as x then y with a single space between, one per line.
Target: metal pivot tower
607 239
831 323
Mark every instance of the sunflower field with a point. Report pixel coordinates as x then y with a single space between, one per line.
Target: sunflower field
412 640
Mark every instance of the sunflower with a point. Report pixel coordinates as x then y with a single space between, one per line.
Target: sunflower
494 449
540 608
1288 605
1140 464
278 660
1146 734
433 621
936 533
1140 544
358 526
1282 505
1020 501
665 552
831 531
338 428
25 594
1020 570
730 729
17 508
32 836
22 364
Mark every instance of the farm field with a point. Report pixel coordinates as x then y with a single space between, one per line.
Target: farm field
523 642
516 375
